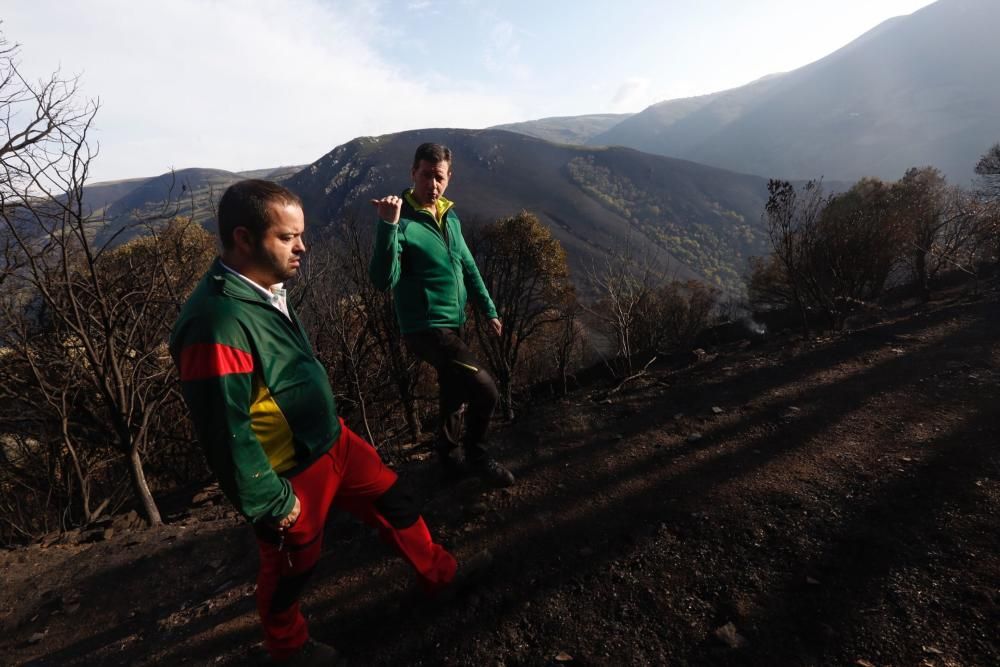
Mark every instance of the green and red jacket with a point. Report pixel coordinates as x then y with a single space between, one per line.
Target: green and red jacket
261 402
429 268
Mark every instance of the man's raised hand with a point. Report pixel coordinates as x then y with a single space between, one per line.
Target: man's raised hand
388 208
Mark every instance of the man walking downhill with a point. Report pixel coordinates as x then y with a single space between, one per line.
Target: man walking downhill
421 255
264 413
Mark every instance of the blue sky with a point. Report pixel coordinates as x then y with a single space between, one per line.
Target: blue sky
243 84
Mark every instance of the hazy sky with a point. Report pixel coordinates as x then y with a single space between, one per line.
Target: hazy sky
242 84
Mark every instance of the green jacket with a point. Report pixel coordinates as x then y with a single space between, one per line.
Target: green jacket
429 268
261 402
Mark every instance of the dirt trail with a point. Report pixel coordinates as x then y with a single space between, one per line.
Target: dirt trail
822 502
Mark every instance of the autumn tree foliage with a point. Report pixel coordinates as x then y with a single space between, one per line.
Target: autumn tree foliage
677 312
832 254
932 216
525 270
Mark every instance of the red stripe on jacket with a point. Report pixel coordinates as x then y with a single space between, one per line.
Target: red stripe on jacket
209 360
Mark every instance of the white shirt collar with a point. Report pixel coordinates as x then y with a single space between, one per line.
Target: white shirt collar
275 295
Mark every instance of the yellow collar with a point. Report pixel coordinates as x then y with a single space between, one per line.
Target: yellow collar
441 205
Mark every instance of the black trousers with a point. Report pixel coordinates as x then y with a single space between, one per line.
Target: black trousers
461 380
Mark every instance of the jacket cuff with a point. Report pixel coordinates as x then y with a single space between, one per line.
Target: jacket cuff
383 228
281 511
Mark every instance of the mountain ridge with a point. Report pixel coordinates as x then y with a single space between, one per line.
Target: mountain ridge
565 129
705 220
912 91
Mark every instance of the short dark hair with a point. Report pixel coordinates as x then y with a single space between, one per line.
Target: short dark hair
244 204
432 153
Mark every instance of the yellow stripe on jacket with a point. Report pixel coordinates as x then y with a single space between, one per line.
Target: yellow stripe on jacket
271 428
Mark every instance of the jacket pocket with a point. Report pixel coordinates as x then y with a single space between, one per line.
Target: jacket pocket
434 306
411 303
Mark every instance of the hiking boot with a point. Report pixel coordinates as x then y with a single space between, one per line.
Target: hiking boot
469 572
312 654
490 470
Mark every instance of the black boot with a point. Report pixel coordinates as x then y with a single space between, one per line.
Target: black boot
489 469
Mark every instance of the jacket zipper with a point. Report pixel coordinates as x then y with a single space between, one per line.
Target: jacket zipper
442 230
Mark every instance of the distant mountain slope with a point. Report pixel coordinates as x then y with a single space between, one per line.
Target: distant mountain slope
174 185
97 196
594 200
190 192
566 129
684 124
920 89
272 173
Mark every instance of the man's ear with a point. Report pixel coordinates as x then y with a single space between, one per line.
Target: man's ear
243 239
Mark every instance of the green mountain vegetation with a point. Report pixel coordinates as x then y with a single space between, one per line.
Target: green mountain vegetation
700 233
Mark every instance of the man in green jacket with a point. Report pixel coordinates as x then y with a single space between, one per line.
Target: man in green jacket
421 255
264 413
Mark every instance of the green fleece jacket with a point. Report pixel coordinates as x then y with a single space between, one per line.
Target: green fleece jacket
429 268
261 401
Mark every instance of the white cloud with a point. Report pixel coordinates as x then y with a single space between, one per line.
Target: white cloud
235 84
503 38
631 95
500 51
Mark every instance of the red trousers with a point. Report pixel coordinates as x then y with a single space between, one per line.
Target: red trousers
352 477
